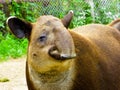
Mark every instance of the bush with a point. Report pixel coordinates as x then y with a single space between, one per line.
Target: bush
2 20
11 47
23 10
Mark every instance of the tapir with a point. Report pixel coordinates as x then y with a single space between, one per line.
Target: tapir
58 58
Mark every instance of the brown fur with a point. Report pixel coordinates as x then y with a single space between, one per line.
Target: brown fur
85 58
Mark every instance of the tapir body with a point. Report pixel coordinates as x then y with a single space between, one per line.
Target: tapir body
84 58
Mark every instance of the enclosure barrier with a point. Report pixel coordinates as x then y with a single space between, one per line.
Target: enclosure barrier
85 11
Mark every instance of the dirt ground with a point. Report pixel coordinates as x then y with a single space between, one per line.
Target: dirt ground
14 70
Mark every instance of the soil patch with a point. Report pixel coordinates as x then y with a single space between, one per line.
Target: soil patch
13 72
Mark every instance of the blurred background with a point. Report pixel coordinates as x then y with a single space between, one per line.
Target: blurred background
85 12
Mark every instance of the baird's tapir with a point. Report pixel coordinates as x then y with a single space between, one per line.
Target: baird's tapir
84 58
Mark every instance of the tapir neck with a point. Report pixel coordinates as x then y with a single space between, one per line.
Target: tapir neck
51 80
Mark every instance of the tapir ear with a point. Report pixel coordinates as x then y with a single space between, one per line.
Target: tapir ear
115 24
19 27
67 19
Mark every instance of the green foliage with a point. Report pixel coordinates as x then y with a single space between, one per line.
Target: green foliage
23 10
103 15
2 20
103 12
104 19
82 13
11 47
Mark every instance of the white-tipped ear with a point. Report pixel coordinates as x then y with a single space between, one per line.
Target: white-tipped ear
18 27
71 11
67 19
10 18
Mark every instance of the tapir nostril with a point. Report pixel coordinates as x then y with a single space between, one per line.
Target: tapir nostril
53 52
34 54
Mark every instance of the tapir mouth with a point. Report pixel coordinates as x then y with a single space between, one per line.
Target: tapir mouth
55 53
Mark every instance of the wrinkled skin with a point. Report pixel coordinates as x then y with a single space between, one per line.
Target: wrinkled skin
85 58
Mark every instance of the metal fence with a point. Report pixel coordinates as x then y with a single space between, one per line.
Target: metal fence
81 8
51 7
111 7
98 8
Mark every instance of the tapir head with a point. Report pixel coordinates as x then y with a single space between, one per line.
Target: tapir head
49 39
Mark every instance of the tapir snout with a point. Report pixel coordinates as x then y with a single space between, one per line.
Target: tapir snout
47 31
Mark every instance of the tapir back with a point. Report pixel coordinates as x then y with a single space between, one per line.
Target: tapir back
106 38
101 67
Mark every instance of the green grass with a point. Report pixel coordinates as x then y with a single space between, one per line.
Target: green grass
11 47
4 80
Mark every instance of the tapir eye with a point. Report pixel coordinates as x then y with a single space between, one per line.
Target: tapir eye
42 38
